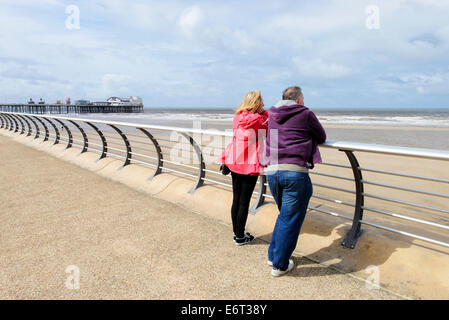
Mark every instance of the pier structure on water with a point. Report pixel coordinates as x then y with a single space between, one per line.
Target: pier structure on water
71 108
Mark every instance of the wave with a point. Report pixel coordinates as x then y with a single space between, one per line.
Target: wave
166 116
418 121
385 119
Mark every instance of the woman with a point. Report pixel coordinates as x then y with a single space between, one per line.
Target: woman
242 157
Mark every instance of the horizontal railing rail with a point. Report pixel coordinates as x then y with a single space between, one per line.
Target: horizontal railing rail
150 146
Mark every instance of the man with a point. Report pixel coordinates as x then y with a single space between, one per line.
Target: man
294 133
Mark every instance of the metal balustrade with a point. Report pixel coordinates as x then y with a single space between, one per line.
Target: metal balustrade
140 144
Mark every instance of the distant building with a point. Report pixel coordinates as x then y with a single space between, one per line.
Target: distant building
31 101
68 101
136 100
116 101
82 102
101 103
113 101
41 101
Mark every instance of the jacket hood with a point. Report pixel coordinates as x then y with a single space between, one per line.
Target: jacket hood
284 110
247 119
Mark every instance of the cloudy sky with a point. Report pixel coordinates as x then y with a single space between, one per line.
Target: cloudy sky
209 53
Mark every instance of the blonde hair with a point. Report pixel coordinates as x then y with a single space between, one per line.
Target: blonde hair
251 102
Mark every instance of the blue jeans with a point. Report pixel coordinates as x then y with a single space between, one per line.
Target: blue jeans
291 191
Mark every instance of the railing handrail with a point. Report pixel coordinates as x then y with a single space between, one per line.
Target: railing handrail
137 125
434 154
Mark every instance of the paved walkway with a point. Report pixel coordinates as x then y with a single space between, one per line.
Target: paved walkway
129 245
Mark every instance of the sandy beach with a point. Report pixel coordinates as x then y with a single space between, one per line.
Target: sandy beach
414 137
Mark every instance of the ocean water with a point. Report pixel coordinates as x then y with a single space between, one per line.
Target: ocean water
419 128
432 118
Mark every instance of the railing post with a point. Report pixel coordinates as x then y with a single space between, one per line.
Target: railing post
13 122
127 145
69 133
56 130
35 124
103 140
28 125
2 120
202 165
160 157
16 128
47 133
353 236
86 141
8 122
22 125
260 198
5 117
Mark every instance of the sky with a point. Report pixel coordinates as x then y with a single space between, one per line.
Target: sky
342 53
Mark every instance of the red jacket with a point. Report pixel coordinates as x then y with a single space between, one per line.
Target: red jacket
247 146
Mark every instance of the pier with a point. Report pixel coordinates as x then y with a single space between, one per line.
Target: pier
70 108
374 207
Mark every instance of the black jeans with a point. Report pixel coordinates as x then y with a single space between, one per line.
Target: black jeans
242 188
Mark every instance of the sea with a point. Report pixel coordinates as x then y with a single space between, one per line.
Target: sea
418 127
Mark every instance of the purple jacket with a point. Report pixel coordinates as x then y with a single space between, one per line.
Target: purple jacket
298 134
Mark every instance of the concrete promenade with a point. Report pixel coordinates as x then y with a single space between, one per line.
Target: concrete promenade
130 245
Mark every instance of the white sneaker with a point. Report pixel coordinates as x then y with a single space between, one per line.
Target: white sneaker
270 263
278 272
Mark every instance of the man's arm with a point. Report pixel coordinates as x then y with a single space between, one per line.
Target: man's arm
317 129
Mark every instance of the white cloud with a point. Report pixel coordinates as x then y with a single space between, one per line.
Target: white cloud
194 52
115 84
443 34
317 68
430 83
242 40
436 3
148 16
190 19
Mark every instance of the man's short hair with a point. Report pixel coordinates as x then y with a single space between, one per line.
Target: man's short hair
292 93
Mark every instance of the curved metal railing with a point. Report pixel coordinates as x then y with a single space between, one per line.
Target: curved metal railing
158 147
